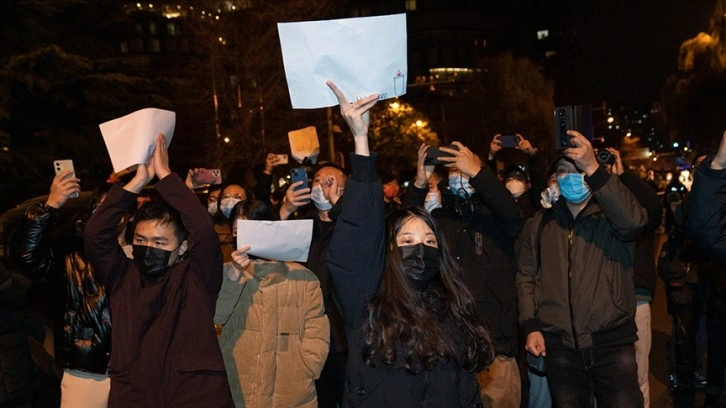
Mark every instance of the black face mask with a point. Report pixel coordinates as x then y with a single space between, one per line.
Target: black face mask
420 264
152 262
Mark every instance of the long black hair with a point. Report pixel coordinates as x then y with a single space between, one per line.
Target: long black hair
429 327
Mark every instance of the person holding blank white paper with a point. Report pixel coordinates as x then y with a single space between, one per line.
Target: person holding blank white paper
165 349
275 334
414 336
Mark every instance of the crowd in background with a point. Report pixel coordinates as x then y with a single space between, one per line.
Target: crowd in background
476 283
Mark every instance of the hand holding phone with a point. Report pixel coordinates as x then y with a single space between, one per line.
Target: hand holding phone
61 166
299 174
508 140
434 153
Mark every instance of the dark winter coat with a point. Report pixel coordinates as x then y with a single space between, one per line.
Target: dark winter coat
480 233
575 280
707 209
356 259
165 352
83 338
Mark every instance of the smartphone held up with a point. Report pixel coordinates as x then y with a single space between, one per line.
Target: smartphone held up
207 177
434 153
63 165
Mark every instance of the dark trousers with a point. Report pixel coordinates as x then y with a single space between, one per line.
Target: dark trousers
331 383
608 374
716 357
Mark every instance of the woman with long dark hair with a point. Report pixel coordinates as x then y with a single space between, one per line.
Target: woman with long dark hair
414 337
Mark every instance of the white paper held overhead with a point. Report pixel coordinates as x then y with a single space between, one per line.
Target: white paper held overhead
130 139
362 56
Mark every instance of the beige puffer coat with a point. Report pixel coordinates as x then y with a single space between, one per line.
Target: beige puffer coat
275 337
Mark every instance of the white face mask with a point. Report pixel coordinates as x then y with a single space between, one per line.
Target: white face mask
432 202
226 206
516 187
212 208
321 202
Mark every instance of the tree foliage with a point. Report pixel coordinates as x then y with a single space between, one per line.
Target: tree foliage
396 132
508 95
695 97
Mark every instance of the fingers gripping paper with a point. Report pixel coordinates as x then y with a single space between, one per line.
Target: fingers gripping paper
304 144
362 56
131 139
276 240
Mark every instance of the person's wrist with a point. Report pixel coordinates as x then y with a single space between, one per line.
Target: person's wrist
163 173
52 204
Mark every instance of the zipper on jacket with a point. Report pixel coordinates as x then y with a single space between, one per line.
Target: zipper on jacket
569 288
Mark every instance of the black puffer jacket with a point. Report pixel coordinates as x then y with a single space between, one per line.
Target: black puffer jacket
83 333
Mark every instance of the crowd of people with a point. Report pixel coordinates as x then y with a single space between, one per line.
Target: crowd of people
475 285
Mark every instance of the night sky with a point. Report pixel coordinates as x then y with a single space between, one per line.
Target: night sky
628 48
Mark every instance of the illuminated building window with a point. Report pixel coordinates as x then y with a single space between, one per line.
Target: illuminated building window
542 34
442 74
152 28
410 5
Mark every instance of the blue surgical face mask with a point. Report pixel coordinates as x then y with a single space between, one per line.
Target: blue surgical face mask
573 188
319 200
459 185
226 206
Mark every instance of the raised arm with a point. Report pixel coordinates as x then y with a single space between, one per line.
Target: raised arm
204 250
356 253
622 209
100 237
34 251
492 192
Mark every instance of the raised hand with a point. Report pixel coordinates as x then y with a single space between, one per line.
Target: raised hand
617 167
423 172
331 189
494 146
463 159
525 146
294 199
160 158
240 261
356 115
582 153
64 184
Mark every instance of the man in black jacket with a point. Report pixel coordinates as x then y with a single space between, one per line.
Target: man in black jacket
575 284
82 314
480 220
